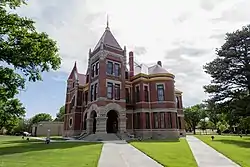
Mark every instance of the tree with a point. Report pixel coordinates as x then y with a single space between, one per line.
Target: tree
60 114
192 115
230 70
10 111
41 117
22 49
213 113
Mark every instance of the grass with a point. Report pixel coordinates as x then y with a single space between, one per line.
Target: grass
15 152
168 153
234 147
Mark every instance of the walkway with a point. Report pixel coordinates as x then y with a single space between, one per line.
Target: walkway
206 156
122 154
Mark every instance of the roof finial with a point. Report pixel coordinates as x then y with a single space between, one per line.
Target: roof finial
107 28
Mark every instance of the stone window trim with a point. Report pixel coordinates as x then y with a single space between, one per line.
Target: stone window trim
70 122
113 81
113 70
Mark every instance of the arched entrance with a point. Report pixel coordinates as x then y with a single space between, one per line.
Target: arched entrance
112 122
93 115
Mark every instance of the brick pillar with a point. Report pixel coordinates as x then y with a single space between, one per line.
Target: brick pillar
131 64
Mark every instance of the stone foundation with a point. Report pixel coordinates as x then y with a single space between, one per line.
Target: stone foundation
158 133
71 133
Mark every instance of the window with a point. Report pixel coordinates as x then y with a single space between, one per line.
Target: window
117 69
117 91
162 120
86 98
126 74
160 92
127 95
73 84
95 91
92 93
170 120
93 70
97 68
156 123
177 103
70 122
110 90
147 120
110 68
137 93
179 122
146 93
138 120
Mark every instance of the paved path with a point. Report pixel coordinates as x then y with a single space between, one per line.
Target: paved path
122 154
206 156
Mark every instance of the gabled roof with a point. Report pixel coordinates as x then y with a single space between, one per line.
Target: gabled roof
108 39
77 76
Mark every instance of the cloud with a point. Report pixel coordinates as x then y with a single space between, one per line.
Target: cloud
207 4
182 50
139 50
183 34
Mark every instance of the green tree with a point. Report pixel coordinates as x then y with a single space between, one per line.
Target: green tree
24 54
41 117
230 70
193 115
10 111
60 114
213 113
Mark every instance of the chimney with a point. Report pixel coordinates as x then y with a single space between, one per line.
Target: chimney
131 63
159 63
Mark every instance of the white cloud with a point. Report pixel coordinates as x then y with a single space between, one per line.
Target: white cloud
183 34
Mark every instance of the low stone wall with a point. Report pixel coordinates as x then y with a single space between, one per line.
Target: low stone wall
158 133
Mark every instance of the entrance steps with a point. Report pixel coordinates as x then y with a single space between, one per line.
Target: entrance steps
101 137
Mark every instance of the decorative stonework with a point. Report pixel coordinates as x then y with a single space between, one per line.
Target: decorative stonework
91 108
112 106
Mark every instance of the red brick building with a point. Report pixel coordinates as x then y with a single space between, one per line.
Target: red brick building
114 98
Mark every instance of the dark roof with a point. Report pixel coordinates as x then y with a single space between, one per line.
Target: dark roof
108 39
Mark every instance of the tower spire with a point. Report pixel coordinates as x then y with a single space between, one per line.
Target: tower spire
107 27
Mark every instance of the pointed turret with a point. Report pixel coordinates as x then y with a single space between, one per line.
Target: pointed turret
108 39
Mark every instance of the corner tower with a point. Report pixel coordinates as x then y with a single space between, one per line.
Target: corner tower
106 101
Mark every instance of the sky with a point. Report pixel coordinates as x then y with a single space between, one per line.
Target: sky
182 34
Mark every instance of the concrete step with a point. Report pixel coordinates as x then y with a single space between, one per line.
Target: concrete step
101 137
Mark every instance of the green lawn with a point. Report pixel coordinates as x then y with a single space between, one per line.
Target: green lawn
234 147
15 152
168 153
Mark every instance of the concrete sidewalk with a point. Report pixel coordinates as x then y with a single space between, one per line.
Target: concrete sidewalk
122 154
206 156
